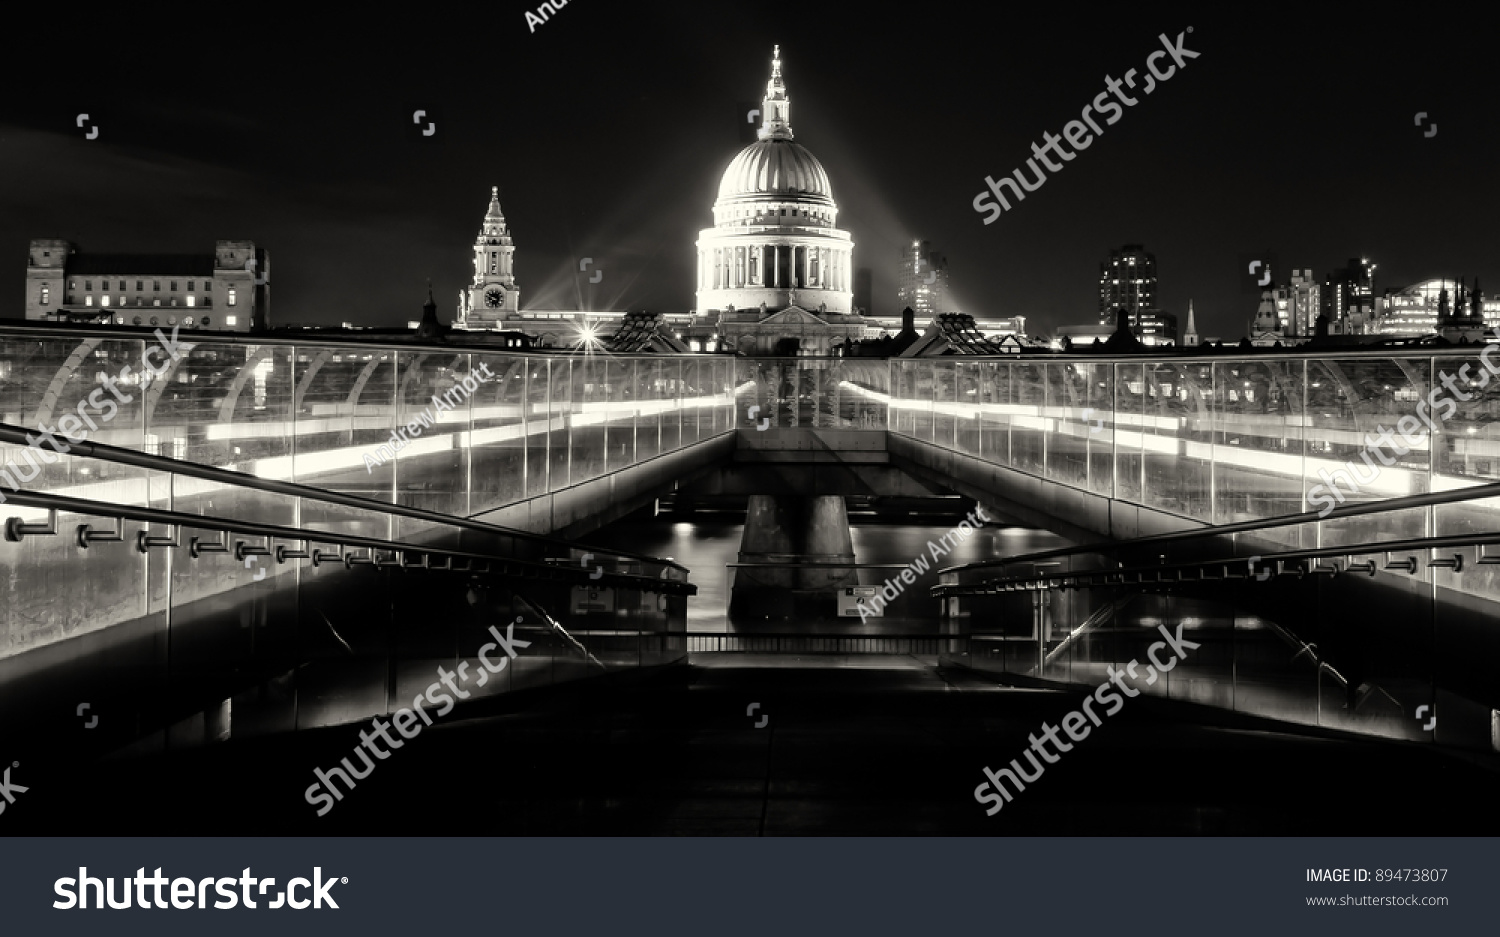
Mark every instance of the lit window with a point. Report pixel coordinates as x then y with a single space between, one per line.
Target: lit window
45 294
231 320
72 284
190 301
88 300
104 300
231 296
156 302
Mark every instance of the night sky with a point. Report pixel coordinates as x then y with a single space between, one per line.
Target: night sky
608 127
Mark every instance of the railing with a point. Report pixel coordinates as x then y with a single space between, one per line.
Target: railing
222 479
1371 636
1220 439
187 627
448 429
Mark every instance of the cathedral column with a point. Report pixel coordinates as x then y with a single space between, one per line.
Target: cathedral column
775 266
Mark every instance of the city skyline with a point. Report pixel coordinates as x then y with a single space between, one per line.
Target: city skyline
360 209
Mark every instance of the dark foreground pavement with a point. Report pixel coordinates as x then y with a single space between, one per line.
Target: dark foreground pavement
850 746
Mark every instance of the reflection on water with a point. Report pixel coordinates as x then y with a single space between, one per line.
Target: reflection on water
708 547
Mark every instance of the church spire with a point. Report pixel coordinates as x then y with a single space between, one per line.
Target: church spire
1190 337
494 218
775 107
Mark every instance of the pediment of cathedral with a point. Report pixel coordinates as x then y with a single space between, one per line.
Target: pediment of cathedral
793 315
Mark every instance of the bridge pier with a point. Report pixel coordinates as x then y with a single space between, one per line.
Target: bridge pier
792 533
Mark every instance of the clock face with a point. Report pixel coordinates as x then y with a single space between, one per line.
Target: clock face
494 298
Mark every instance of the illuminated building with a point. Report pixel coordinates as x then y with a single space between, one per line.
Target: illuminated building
1348 299
775 275
1127 279
228 290
1413 311
924 281
492 298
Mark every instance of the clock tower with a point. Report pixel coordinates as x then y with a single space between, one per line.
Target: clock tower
493 295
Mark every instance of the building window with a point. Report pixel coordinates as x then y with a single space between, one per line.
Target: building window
104 300
207 322
190 286
174 286
231 296
122 286
139 286
190 300
137 320
72 284
153 320
45 294
231 320
88 285
156 285
88 300
156 302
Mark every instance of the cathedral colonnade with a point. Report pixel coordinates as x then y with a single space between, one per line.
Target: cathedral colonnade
773 266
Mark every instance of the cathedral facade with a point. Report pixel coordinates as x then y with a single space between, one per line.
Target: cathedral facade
775 273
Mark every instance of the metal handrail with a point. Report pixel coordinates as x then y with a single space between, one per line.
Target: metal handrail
1067 580
1404 502
16 435
176 519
